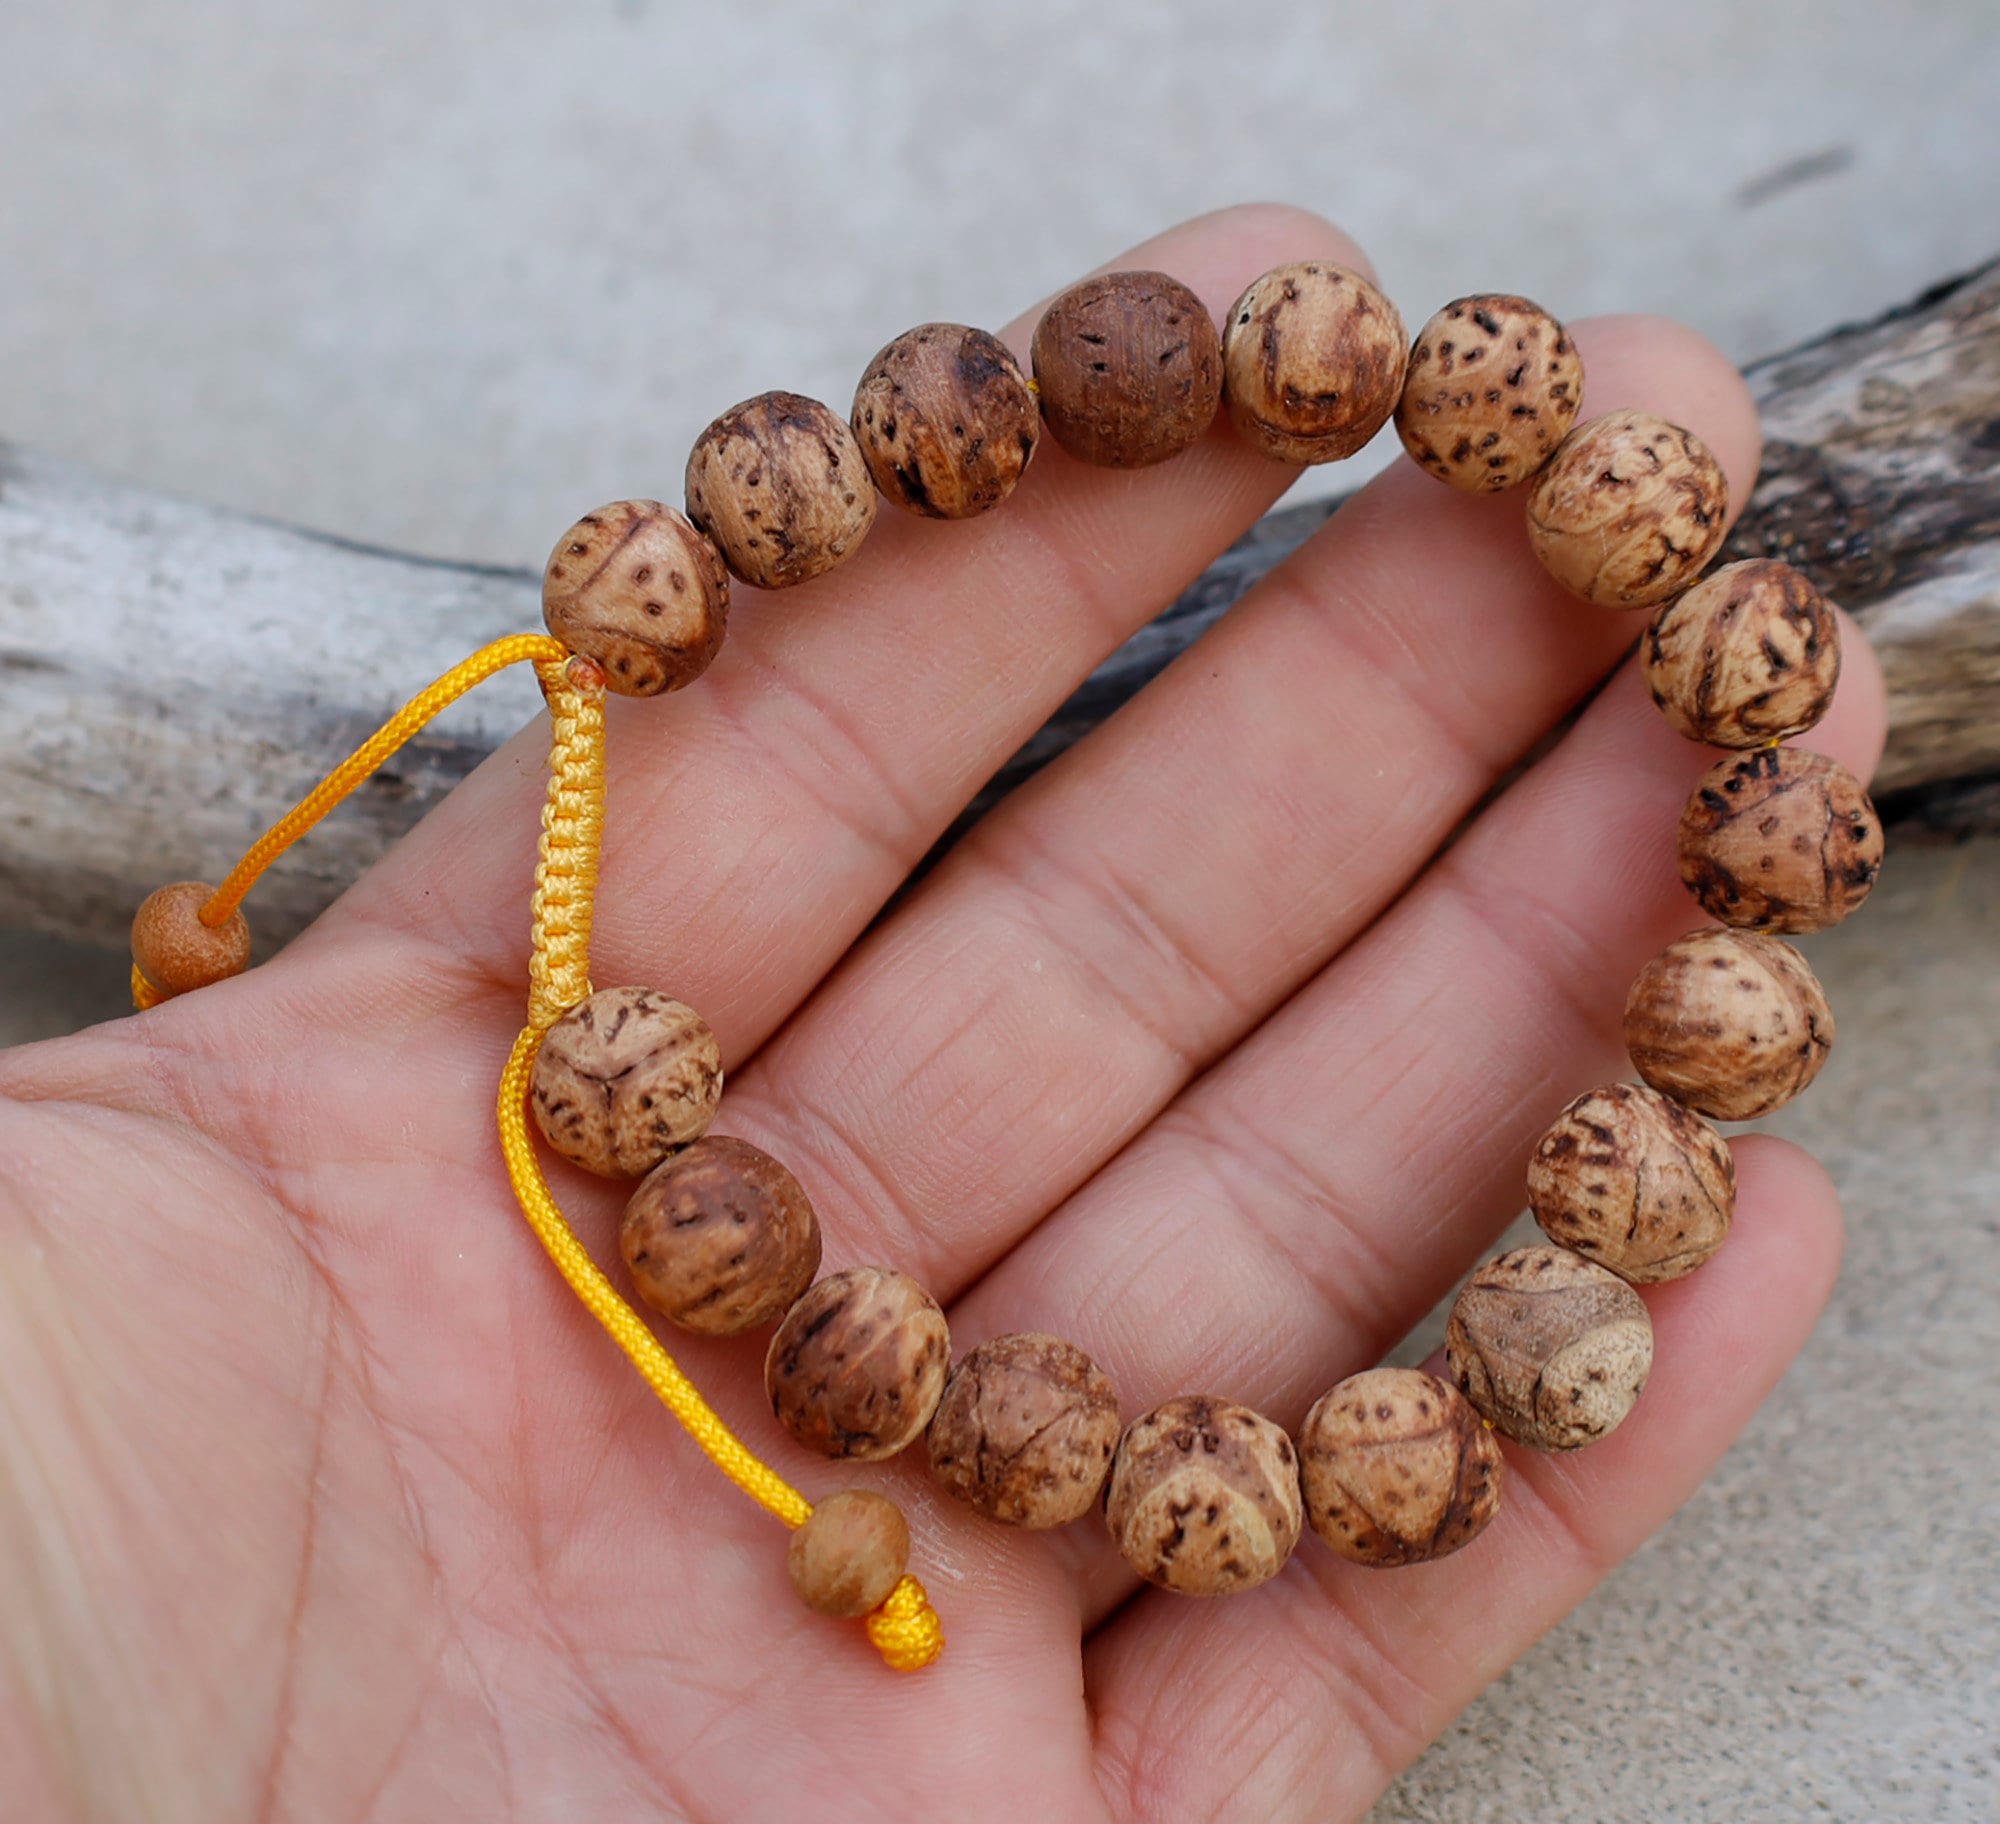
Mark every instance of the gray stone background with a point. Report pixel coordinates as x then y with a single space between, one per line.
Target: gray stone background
436 275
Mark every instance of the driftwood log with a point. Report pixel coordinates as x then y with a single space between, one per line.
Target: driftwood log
172 676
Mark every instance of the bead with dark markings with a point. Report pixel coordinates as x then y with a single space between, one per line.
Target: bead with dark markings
1748 655
1204 1497
1628 511
946 421
1312 362
1780 840
858 1365
1493 386
720 1238
1629 1178
851 1552
1130 369
624 1079
780 485
1397 1468
637 588
175 951
1025 1430
1732 1023
1553 1349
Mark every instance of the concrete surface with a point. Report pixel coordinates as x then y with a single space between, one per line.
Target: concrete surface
441 276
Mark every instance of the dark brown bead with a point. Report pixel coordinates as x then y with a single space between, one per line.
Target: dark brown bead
858 1365
1312 362
1130 369
720 1238
780 485
946 421
1397 1468
1493 387
636 588
1780 840
175 951
851 1552
1025 1430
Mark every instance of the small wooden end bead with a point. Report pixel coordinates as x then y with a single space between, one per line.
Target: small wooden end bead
720 1238
851 1552
780 485
636 588
624 1079
1397 1468
1552 1348
1025 1431
1313 362
1748 655
946 421
858 1365
1732 1023
1204 1497
175 951
1130 369
1629 1178
1780 840
1492 389
1628 511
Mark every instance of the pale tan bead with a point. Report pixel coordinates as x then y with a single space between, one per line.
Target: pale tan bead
1493 386
1026 1430
858 1365
1780 840
624 1079
1397 1468
1204 1497
851 1552
1748 655
1629 1178
1312 362
1732 1023
636 588
780 484
1628 510
175 951
1552 1348
946 421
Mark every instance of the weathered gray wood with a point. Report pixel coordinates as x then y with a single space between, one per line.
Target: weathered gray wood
172 675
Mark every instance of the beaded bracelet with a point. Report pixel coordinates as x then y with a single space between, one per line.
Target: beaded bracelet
1547 1345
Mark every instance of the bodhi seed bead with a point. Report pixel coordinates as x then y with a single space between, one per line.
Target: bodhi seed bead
1204 1497
625 1078
780 485
1629 1178
851 1552
1732 1023
1397 1468
858 1365
1552 1348
175 951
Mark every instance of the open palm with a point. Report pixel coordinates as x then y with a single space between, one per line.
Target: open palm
321 1499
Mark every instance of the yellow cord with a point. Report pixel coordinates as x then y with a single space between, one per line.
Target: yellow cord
144 994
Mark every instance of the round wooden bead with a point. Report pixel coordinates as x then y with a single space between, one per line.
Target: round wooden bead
1026 1430
780 485
1732 1023
858 1365
1312 362
1748 655
1780 840
1204 1497
636 588
946 421
1129 367
1552 1348
1628 510
175 951
1397 1468
720 1238
1629 1178
625 1078
851 1552
1493 386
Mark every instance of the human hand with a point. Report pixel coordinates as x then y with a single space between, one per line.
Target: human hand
322 1498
